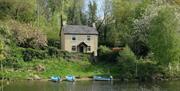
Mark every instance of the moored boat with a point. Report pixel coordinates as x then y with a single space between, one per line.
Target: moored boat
102 78
70 78
55 78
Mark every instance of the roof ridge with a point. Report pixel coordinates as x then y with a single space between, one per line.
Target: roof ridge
79 29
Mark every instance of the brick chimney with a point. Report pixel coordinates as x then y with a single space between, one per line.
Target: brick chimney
94 25
64 23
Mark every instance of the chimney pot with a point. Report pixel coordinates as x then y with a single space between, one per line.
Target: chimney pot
64 23
94 25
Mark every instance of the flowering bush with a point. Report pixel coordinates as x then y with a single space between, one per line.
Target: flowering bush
27 36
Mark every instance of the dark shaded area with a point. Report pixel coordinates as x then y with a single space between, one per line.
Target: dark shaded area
140 49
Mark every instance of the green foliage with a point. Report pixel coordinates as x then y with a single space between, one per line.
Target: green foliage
19 10
30 54
92 12
146 26
126 64
1 51
149 70
113 36
126 69
107 55
11 62
162 37
75 12
3 31
140 9
54 43
4 9
126 54
139 45
5 35
53 51
4 42
53 66
103 50
27 36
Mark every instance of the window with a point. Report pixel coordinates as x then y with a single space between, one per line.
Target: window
89 48
73 38
88 37
73 48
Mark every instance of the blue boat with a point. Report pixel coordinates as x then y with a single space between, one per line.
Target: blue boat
55 78
102 78
70 78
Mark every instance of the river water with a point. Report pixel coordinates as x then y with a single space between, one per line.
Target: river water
91 86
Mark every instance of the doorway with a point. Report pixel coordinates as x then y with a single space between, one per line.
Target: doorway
82 47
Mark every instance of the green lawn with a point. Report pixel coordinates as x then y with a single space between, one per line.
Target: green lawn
52 67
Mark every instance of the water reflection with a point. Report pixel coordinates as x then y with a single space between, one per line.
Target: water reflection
92 86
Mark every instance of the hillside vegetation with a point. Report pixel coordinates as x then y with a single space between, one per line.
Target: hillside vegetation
146 30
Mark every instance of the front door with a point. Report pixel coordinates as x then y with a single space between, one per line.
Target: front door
81 49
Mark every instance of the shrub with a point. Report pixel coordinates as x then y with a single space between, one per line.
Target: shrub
126 54
5 8
107 55
150 70
54 43
3 31
11 62
125 60
5 35
30 54
103 50
126 69
27 36
53 51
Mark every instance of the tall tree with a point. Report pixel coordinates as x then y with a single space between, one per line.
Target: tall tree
162 36
92 13
74 12
105 25
17 9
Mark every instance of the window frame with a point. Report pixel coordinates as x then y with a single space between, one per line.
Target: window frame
73 38
73 48
89 48
88 37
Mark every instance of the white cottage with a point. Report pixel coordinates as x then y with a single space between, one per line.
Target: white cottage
78 38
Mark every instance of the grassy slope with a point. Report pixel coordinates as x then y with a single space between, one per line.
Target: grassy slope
54 67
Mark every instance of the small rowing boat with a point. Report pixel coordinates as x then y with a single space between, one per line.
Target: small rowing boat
70 78
55 78
102 78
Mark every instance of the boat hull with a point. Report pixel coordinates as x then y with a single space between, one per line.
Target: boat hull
100 78
70 78
55 78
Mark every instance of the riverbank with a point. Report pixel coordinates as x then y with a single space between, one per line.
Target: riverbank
84 70
87 79
44 69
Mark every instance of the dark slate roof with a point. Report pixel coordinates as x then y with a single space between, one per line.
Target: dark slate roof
79 29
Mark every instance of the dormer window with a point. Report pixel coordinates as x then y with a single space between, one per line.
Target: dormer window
88 37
